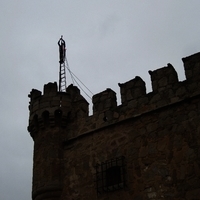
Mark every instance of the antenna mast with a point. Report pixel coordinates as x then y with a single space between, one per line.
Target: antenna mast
63 66
62 61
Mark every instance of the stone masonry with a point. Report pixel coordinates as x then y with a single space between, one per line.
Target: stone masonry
77 156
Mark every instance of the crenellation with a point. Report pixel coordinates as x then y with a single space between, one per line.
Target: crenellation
192 67
164 78
134 100
167 89
52 102
132 90
74 92
104 101
34 94
50 89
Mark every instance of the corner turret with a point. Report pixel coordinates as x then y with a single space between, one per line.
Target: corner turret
51 116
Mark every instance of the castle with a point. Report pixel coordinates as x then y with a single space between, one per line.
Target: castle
146 148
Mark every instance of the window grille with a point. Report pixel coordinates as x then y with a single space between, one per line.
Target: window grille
110 175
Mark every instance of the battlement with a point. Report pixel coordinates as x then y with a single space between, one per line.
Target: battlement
70 106
55 108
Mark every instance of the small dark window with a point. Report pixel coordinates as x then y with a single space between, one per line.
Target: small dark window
110 175
113 176
58 116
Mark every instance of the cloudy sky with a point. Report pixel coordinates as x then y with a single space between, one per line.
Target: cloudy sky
108 42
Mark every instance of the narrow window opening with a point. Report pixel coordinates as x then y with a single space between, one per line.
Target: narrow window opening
58 116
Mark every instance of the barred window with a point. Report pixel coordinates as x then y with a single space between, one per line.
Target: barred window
110 175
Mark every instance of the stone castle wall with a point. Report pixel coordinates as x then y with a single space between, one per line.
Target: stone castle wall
161 150
157 133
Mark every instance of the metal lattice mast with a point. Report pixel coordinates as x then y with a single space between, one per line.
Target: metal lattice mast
62 78
62 61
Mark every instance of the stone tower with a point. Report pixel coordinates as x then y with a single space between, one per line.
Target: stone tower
148 147
51 116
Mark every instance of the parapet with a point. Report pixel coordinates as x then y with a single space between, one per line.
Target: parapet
166 90
55 108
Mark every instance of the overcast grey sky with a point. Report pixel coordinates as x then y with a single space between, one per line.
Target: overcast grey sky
108 41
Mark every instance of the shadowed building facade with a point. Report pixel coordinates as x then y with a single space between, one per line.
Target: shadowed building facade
146 148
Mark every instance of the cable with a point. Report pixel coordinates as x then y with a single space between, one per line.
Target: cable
74 77
82 89
67 66
80 81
